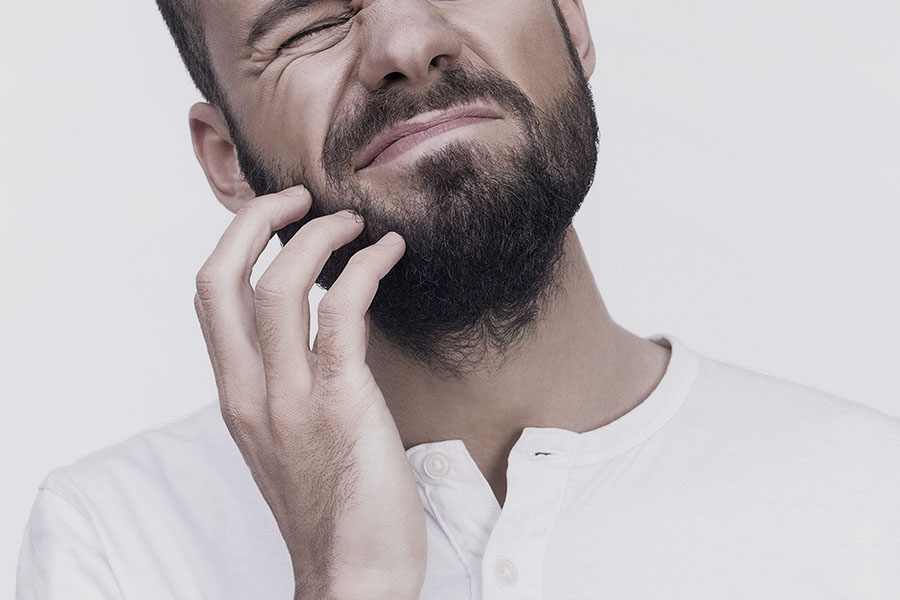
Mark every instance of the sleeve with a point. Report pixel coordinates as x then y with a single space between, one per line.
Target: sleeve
61 554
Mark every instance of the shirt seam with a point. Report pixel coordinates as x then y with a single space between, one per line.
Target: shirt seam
440 519
639 437
87 517
556 511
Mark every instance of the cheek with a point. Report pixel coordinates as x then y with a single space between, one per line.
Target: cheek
544 61
298 113
524 42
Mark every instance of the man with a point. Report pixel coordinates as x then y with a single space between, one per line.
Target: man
469 422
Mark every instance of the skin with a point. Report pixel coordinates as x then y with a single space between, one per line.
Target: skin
580 370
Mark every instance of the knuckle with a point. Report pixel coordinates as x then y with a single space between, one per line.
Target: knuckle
270 292
257 213
240 421
333 309
208 281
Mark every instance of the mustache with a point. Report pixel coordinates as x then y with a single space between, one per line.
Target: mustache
391 105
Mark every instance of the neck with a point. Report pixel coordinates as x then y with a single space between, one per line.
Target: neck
578 370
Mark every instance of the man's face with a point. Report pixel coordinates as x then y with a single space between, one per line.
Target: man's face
484 207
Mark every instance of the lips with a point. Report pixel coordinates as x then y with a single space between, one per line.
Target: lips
383 140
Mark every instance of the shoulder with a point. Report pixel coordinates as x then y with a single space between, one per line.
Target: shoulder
785 420
174 506
755 392
165 464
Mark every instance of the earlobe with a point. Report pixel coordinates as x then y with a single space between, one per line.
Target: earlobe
216 154
577 22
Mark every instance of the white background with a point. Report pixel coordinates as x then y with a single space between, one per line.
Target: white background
746 201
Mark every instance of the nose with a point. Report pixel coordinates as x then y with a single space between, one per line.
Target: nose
405 40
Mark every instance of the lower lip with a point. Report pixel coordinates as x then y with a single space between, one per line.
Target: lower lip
405 143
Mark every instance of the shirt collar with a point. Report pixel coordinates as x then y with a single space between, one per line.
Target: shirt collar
607 441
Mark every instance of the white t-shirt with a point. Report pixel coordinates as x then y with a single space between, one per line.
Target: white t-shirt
723 483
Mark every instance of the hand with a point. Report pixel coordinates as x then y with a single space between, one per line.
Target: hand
313 425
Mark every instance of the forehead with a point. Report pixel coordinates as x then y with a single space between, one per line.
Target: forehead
226 25
228 19
229 23
240 18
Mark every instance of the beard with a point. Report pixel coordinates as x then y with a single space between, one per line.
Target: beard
484 225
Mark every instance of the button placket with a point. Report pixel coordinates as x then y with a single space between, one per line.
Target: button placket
460 500
537 474
507 572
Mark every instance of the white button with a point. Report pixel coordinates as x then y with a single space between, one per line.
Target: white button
437 465
506 572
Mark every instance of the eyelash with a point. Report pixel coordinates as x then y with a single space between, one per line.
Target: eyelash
310 31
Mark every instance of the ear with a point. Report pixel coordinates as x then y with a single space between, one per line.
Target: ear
216 154
577 22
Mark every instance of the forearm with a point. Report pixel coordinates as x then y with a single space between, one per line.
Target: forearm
358 585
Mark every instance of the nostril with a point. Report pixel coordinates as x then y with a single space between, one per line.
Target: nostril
393 76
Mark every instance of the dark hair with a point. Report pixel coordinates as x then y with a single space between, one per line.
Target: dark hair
184 19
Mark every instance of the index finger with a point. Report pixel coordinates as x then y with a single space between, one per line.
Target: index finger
226 296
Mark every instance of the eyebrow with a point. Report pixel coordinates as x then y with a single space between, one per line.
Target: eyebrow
274 13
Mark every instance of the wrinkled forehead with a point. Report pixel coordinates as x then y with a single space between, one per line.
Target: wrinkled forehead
227 23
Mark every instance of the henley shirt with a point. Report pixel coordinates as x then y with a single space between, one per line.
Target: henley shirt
724 483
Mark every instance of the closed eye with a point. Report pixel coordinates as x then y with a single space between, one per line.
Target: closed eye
308 32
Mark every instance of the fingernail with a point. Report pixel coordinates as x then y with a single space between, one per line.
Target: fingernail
296 190
351 214
390 238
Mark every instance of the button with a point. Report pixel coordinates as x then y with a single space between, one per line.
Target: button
437 465
506 572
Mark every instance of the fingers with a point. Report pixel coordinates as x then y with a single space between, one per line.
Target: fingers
282 301
342 339
225 299
210 350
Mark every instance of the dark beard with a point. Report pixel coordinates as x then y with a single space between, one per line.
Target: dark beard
484 228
